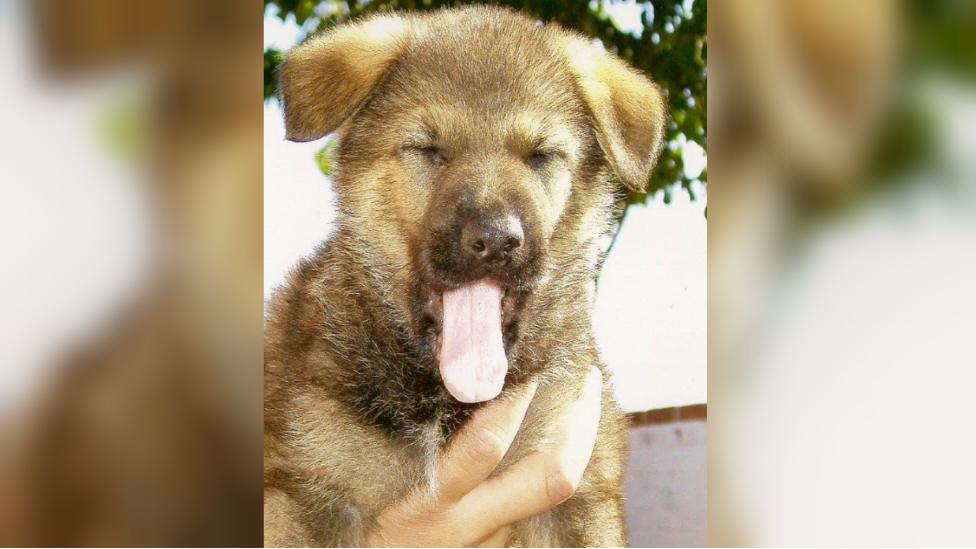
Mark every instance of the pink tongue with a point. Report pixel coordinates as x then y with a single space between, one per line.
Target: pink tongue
472 355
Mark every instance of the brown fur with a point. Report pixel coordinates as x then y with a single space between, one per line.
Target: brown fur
472 110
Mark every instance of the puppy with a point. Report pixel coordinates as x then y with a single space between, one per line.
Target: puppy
478 158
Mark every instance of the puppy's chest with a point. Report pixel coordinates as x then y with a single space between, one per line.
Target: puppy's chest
386 474
384 483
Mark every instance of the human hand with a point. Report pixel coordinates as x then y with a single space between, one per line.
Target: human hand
471 509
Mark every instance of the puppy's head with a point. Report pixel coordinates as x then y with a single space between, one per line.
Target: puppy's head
467 138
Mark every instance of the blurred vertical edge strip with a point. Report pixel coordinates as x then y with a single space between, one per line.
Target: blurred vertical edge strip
147 430
841 259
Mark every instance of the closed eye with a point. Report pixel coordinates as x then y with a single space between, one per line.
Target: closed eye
541 158
432 154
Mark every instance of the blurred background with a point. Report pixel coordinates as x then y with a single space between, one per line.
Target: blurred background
130 378
842 257
651 297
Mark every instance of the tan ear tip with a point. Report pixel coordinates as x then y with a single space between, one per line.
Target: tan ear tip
296 138
638 185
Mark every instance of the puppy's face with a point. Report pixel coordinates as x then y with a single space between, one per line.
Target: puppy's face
458 163
473 158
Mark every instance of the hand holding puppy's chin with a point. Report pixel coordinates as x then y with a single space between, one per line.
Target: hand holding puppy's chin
469 506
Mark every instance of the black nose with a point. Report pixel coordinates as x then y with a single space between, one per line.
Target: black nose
491 239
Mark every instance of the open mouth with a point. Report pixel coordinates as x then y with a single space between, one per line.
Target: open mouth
472 329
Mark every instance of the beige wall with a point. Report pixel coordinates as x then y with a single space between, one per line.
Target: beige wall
665 488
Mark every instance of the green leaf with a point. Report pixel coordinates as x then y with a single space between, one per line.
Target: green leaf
325 158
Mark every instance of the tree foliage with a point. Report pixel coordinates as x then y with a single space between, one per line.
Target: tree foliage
671 48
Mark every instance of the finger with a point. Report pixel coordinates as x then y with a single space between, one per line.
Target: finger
498 539
481 444
543 479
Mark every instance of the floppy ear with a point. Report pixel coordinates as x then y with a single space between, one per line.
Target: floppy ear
629 111
325 80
